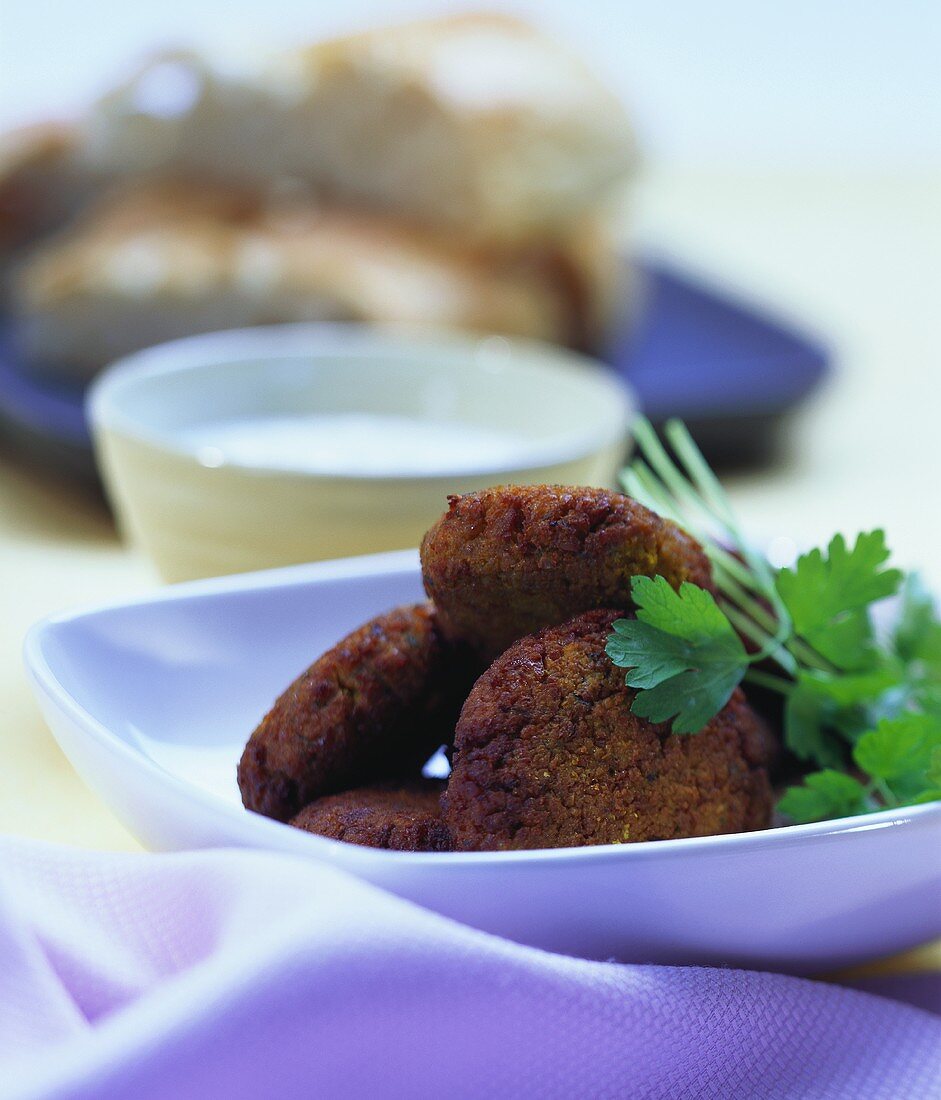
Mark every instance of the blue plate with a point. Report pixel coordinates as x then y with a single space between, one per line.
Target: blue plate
732 373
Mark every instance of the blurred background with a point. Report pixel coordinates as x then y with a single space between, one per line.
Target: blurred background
816 86
789 154
790 165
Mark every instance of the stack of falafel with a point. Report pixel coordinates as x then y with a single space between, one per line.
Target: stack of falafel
506 668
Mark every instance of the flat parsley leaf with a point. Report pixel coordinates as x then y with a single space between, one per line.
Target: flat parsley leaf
808 721
928 697
899 748
933 774
682 654
827 596
933 794
824 712
917 643
651 654
902 759
825 794
917 635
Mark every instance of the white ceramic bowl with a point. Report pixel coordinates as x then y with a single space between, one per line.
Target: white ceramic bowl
153 702
199 507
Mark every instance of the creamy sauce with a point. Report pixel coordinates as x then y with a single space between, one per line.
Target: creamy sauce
357 444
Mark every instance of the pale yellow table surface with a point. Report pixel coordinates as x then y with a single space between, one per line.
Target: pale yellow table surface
854 259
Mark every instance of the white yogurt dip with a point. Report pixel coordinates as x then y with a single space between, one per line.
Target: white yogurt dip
358 444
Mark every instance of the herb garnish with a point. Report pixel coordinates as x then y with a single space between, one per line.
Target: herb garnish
865 710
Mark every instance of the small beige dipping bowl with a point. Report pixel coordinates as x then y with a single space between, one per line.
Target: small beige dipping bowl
203 442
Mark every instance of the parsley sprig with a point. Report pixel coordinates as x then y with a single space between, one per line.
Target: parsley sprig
865 710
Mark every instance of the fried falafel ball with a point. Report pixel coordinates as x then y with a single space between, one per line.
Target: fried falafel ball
505 562
405 819
373 708
547 754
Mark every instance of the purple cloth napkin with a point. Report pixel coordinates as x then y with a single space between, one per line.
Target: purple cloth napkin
241 974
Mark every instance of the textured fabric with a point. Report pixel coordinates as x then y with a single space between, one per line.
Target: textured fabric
920 990
241 974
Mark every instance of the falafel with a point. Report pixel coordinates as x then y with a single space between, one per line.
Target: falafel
374 707
548 754
505 562
405 819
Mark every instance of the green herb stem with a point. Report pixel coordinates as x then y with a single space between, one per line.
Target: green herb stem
728 578
767 647
882 789
709 487
732 567
703 478
641 483
769 680
675 495
661 464
732 590
808 656
771 634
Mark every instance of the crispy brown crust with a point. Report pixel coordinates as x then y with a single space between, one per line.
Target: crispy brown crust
548 754
374 707
508 561
406 819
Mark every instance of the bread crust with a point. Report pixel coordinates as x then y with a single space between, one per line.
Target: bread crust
154 261
478 125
